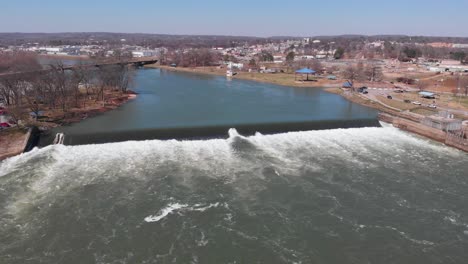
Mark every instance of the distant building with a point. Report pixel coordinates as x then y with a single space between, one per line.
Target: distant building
140 54
49 49
305 57
440 45
460 46
239 66
278 58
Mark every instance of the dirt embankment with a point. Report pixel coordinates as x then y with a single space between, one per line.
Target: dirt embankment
88 108
12 142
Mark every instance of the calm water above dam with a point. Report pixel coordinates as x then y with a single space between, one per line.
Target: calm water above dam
184 104
357 195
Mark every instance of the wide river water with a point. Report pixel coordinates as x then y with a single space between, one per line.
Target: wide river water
185 105
356 195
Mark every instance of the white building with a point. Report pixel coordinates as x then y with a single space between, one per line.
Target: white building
232 65
140 54
304 57
278 59
52 50
460 46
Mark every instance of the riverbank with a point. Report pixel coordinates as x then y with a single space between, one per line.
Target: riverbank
284 79
356 98
403 113
14 140
378 100
90 108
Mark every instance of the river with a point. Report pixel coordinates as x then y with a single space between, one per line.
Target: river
356 195
186 105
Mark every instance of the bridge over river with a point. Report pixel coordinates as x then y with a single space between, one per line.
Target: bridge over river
139 62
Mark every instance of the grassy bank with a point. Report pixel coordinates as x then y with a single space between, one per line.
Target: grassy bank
286 79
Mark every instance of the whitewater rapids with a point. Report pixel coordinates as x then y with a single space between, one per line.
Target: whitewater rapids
360 195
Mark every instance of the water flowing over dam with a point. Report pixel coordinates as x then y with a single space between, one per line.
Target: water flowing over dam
363 195
200 169
207 132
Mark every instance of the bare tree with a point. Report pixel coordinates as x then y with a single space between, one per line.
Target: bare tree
424 85
464 84
85 76
35 96
17 113
19 61
62 88
13 89
315 65
373 73
353 73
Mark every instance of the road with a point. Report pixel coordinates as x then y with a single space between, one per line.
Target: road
374 93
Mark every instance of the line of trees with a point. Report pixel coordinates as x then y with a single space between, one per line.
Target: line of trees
361 72
18 62
60 89
192 58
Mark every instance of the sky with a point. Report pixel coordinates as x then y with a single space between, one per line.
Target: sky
239 17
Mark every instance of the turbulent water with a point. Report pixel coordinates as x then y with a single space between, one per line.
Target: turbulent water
360 195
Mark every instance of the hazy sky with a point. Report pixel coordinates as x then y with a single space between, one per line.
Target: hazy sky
238 17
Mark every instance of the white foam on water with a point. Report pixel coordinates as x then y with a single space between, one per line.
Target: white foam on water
233 133
401 233
286 154
201 208
164 212
454 219
14 163
181 207
203 241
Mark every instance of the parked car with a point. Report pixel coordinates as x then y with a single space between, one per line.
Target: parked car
432 106
416 103
399 91
365 92
389 97
407 101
